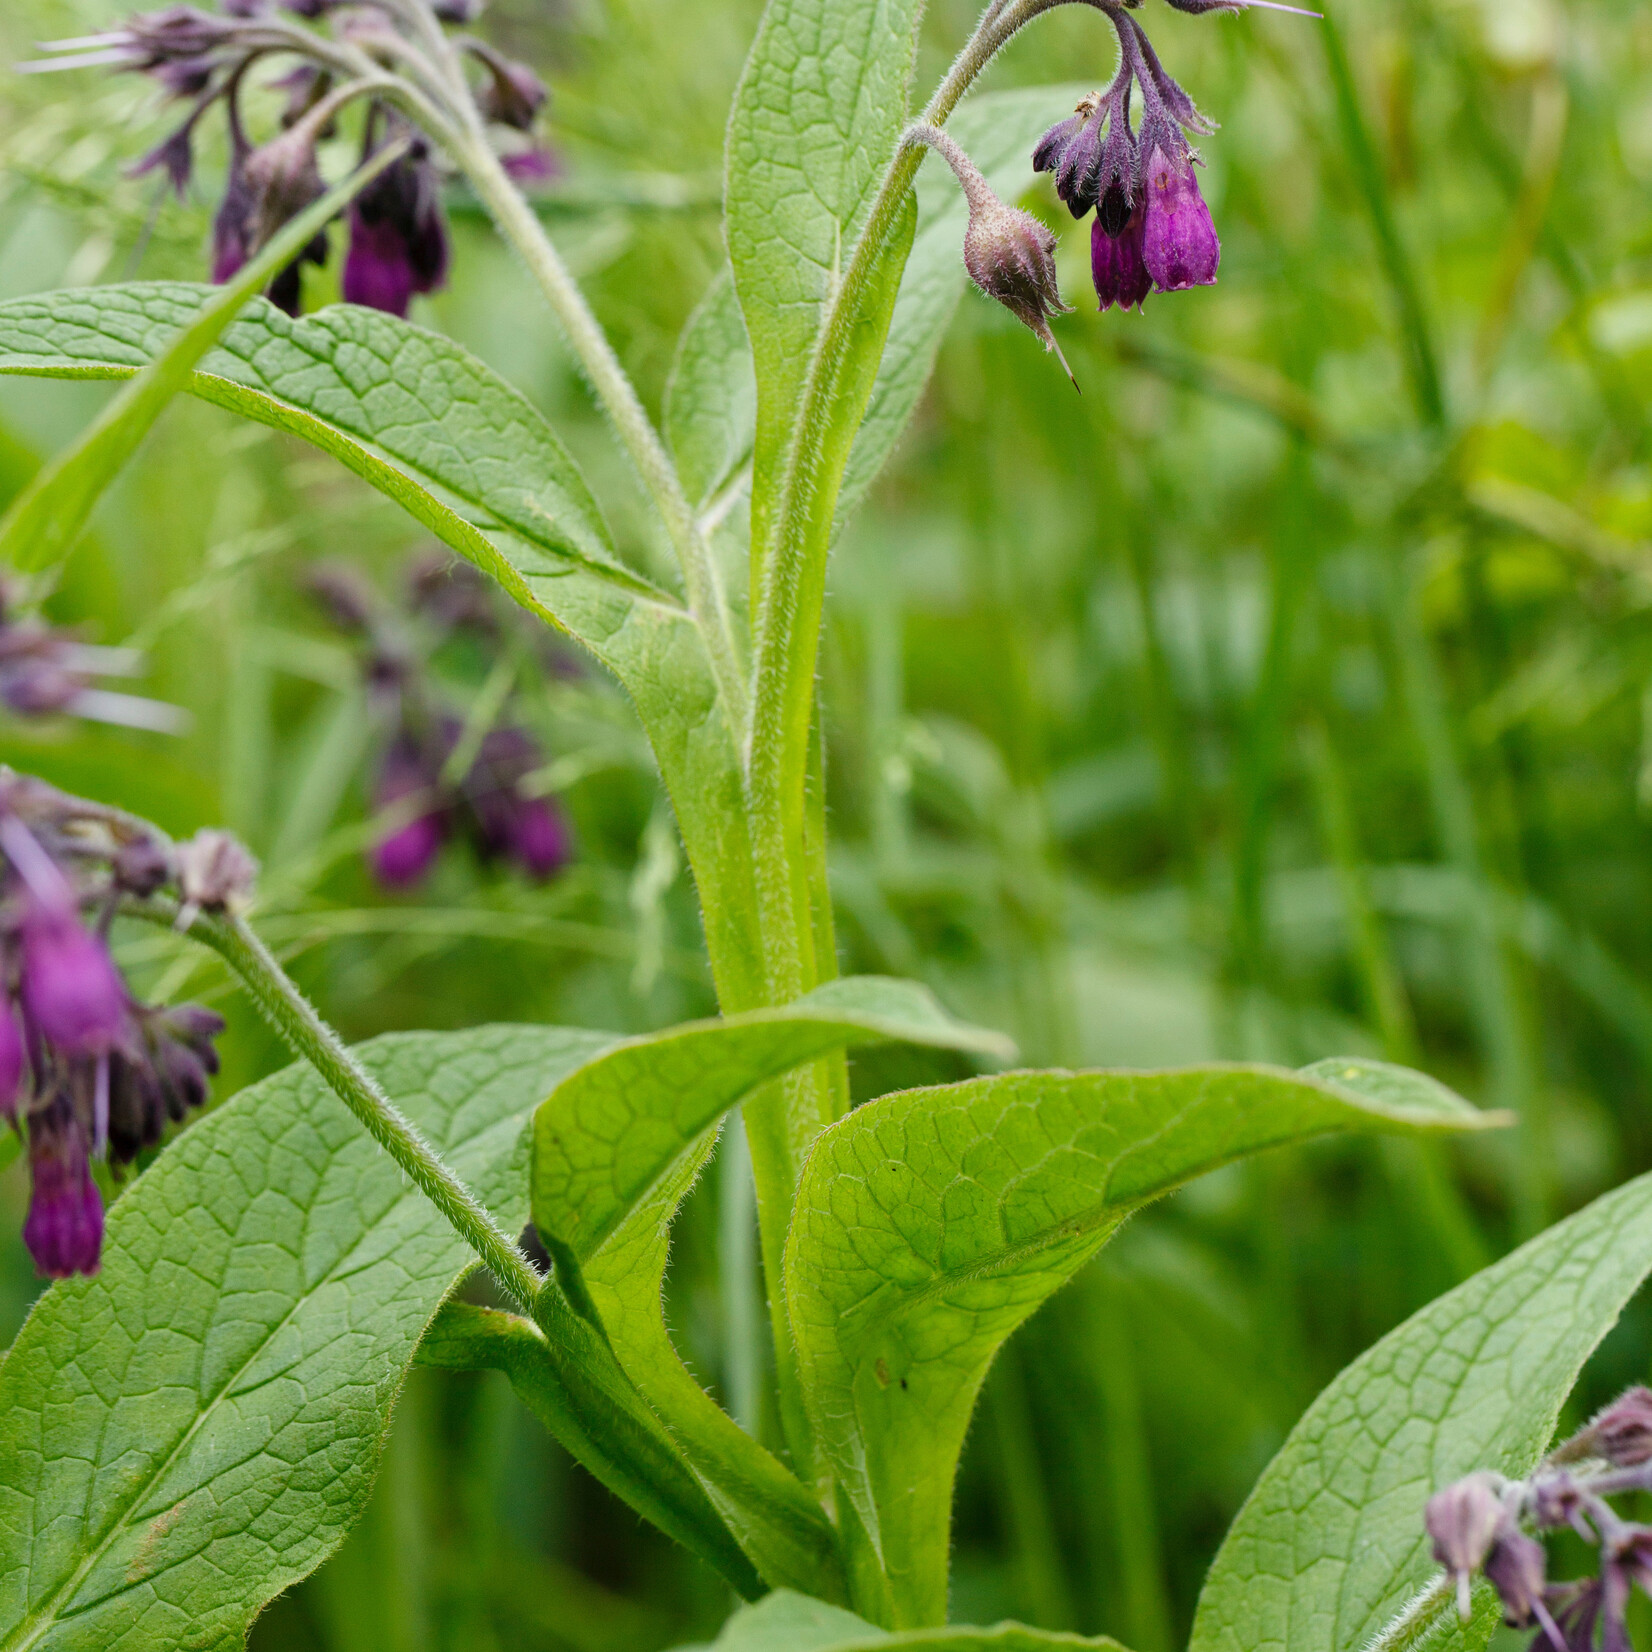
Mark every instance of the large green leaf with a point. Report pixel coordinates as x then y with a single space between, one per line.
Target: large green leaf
820 104
475 462
616 1146
1330 1544
184 1435
930 1223
999 131
786 1622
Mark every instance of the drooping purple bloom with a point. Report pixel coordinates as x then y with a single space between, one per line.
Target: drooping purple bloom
64 1226
1464 1521
1179 242
522 828
513 94
1116 263
70 986
402 858
398 237
266 188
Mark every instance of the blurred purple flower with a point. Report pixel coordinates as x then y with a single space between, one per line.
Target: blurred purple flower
64 1226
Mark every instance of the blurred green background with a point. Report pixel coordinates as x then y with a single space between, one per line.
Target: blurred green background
1287 693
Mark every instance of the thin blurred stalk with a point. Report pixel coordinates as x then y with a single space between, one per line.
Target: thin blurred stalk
1422 368
743 1320
1046 1596
1144 1598
1545 142
1290 567
890 780
1421 1170
1501 1019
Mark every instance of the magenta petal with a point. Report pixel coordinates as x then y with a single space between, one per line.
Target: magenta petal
70 984
1116 264
540 842
64 1226
404 857
1179 242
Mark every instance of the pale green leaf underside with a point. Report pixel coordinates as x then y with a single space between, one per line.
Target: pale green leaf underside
786 1622
711 401
929 1224
819 106
189 1432
620 1142
474 461
1330 1544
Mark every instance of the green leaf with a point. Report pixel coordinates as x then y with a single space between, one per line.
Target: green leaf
999 131
473 460
929 1224
711 401
46 519
1330 1545
189 1432
616 1146
819 107
611 1129
787 1622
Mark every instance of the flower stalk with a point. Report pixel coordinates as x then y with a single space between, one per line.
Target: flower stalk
302 1028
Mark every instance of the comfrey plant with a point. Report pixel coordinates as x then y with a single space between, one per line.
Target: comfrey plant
194 1427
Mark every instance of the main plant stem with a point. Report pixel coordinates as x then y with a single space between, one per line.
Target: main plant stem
792 597
295 1018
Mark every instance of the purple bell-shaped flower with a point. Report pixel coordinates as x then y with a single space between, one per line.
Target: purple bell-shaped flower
70 986
1116 263
64 1226
398 237
1179 242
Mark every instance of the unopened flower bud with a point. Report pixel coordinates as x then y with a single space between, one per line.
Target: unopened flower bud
1622 1433
1010 256
215 872
1464 1521
513 95
1518 1569
1179 241
1071 149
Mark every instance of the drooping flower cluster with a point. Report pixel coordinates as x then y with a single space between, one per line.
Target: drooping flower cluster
1479 1524
86 1070
439 778
398 239
1152 231
46 671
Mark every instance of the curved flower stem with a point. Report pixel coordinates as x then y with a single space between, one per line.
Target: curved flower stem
296 1019
613 387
